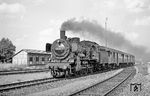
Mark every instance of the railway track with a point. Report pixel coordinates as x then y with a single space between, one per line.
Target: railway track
17 85
21 71
106 87
11 86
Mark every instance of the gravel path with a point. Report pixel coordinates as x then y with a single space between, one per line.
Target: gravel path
76 85
6 79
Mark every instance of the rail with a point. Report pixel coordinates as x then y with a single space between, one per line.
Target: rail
107 86
22 71
11 86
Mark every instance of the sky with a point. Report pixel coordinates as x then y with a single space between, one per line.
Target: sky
30 24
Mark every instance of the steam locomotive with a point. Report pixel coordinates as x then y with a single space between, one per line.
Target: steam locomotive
70 56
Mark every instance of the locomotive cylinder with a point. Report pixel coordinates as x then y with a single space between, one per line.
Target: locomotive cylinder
62 34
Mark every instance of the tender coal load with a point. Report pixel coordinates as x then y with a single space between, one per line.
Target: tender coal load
48 47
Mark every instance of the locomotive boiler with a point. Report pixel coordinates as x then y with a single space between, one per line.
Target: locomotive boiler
70 56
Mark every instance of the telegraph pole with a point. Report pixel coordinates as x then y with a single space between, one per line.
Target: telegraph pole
106 30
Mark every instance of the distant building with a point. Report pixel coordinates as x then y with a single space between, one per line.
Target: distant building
31 57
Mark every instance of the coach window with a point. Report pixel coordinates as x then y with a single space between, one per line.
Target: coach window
114 54
109 53
122 55
30 59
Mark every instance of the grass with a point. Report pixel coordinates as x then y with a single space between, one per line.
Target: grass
143 69
10 66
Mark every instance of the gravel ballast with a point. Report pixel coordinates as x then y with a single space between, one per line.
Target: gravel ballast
77 85
142 77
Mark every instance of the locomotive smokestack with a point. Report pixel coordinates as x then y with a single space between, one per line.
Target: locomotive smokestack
48 47
62 34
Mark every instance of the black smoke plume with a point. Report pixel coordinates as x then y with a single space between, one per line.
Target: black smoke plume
117 40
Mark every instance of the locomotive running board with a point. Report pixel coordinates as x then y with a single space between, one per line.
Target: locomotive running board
60 64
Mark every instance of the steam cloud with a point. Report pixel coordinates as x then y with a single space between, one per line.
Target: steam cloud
98 32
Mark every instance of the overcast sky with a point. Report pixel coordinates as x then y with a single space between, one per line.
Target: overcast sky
32 23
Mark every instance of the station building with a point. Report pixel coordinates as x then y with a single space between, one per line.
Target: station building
31 57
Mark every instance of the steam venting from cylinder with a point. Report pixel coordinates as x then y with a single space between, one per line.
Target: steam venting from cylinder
48 47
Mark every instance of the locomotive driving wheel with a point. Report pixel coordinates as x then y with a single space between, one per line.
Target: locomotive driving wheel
54 74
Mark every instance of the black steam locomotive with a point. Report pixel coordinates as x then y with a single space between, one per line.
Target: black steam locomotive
70 56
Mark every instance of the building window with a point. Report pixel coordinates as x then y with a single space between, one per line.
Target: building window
37 59
31 59
109 53
43 59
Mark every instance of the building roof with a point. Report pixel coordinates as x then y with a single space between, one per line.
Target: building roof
35 51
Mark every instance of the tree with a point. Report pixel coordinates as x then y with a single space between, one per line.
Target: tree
7 49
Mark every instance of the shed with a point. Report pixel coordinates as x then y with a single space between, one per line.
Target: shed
31 57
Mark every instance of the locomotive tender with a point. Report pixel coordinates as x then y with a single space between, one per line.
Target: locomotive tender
70 56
